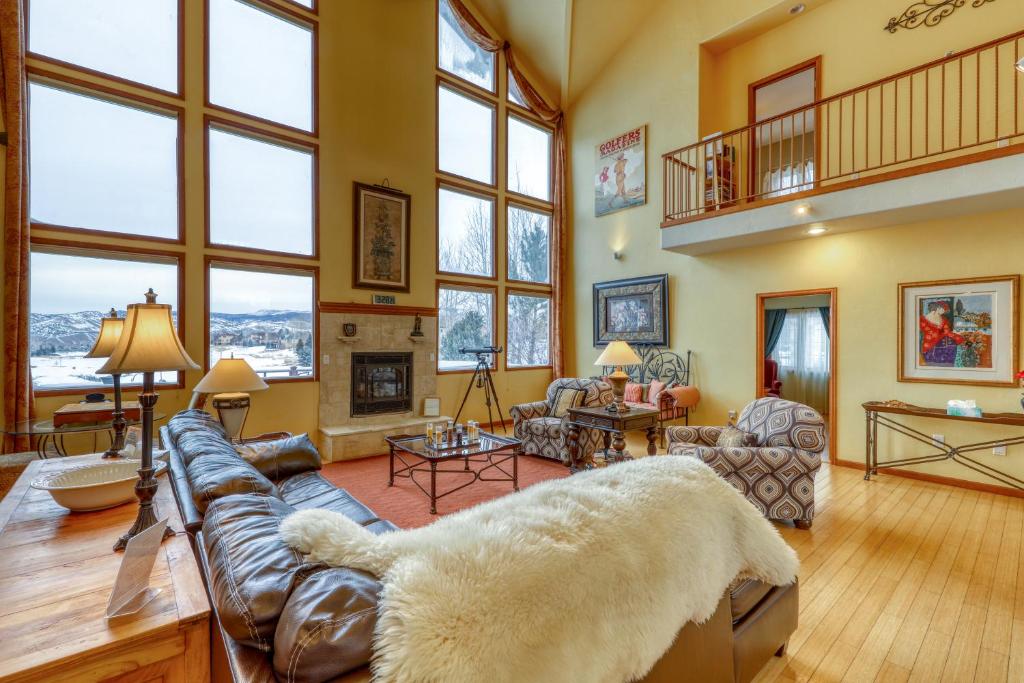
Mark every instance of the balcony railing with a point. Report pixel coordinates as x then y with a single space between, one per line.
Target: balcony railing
940 114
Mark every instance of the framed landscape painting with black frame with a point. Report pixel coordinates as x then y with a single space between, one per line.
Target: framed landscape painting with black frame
633 310
380 250
960 331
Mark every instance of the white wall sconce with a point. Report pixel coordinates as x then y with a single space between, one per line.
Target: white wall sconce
1020 65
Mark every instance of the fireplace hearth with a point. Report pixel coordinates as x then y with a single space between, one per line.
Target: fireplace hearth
381 383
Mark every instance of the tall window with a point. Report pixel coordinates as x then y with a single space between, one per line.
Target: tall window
99 163
126 39
71 291
465 319
264 316
261 63
529 329
261 192
493 219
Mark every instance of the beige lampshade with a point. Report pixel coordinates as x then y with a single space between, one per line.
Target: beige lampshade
618 353
148 342
230 375
106 340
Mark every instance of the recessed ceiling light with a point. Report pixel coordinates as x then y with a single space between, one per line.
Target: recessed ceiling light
817 230
1020 65
797 9
802 209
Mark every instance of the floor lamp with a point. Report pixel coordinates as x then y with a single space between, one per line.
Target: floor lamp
148 344
106 340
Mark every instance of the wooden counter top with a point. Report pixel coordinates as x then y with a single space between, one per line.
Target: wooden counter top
56 573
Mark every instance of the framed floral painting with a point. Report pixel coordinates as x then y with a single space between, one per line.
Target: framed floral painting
380 250
960 331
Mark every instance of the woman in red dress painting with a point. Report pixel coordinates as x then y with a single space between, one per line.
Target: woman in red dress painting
938 340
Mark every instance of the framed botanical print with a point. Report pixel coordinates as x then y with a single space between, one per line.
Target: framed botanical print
960 331
633 310
380 250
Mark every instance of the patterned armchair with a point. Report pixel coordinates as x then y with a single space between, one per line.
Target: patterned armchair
545 435
777 473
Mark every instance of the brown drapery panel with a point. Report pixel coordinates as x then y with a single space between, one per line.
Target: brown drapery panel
18 399
478 34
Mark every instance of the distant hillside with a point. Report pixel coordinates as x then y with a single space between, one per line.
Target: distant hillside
75 332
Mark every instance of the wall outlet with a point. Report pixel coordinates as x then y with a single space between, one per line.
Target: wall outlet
938 438
326 360
999 450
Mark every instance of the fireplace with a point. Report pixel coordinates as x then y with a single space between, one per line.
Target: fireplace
381 383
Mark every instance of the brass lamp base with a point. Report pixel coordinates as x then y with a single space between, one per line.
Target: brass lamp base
618 381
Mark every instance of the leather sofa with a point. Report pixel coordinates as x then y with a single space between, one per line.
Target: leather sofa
280 618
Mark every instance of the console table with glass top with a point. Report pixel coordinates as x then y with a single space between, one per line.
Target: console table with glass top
879 413
49 439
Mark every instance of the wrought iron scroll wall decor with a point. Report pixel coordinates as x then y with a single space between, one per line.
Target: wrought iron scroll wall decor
928 13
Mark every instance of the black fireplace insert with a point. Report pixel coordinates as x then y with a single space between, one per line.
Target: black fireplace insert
381 383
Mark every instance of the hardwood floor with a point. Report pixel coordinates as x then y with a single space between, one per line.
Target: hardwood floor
905 580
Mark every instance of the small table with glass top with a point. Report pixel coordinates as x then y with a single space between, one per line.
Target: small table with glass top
412 454
50 438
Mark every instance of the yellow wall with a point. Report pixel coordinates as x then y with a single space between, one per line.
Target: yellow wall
655 80
854 47
377 120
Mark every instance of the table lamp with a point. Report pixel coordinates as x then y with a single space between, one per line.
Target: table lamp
106 340
148 344
229 380
618 354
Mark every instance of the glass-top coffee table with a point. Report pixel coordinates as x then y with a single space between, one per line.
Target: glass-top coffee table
490 455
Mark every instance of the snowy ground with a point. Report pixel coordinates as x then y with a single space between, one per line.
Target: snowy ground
268 363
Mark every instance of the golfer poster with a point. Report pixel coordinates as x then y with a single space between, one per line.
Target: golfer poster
620 179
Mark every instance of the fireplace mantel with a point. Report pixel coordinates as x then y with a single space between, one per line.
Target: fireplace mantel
376 309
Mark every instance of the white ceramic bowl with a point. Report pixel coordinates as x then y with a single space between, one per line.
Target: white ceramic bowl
95 487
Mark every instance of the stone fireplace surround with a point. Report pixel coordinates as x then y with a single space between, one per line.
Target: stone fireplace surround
378 329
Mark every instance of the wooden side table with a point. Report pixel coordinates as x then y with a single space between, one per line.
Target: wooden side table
614 426
58 571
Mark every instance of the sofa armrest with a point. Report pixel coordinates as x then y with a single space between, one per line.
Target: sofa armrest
699 436
680 397
528 411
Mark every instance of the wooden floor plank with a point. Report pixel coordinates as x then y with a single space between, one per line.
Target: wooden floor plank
906 580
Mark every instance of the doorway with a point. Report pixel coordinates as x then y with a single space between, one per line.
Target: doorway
784 149
797 340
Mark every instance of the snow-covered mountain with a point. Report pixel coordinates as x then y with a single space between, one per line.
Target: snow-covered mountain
70 332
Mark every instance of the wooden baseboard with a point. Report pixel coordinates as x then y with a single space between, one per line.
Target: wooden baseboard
938 479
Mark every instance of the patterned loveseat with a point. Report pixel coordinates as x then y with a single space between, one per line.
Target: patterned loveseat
776 473
544 434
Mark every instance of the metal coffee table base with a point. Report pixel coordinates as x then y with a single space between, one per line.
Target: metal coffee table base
491 461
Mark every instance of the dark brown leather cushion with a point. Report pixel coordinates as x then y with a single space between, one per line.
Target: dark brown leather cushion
746 595
311 490
326 629
252 571
282 458
222 474
193 421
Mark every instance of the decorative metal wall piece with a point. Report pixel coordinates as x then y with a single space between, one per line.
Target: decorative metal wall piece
928 13
661 364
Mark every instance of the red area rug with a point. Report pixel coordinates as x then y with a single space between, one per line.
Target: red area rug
406 506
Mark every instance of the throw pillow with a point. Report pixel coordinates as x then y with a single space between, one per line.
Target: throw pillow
732 437
634 393
657 386
564 399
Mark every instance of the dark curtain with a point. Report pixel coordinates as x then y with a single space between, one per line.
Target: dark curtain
826 319
773 321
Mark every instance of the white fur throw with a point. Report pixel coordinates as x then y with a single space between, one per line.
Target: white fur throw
587 578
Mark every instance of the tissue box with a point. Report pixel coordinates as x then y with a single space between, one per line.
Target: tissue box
963 408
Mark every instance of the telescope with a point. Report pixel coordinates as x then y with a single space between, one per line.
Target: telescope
486 349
